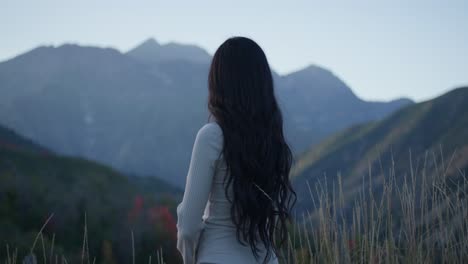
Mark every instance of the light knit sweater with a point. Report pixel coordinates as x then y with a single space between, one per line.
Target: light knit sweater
206 233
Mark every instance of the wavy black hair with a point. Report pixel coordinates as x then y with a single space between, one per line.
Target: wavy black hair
258 159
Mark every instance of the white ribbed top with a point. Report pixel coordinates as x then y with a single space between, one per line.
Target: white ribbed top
205 229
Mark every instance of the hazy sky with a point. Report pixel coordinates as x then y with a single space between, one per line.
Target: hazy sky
382 49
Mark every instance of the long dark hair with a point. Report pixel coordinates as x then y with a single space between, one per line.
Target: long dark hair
258 159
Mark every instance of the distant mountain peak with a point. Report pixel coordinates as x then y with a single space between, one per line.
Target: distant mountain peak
315 68
312 69
151 51
313 72
68 46
151 42
326 84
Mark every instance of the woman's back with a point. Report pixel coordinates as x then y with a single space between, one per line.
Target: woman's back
218 241
215 239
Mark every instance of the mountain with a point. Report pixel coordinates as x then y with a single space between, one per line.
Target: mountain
151 51
423 136
140 115
317 103
105 106
35 184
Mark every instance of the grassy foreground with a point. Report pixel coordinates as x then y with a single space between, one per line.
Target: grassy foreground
418 217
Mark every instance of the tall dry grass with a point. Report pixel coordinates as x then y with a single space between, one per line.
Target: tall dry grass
418 217
47 255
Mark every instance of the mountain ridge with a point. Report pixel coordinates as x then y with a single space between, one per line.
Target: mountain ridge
310 68
142 118
150 51
438 125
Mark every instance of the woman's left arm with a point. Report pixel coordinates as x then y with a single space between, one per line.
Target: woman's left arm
206 150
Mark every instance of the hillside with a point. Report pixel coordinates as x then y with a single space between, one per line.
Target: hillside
35 184
139 113
12 141
431 135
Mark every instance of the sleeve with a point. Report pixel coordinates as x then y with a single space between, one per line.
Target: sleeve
206 150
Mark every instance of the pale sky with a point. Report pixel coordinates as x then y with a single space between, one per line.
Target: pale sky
381 49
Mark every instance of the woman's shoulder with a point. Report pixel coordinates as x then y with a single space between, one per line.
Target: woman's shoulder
210 131
211 128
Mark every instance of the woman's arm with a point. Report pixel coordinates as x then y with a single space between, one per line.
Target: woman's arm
206 150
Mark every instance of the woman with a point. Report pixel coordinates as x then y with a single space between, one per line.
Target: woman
237 197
